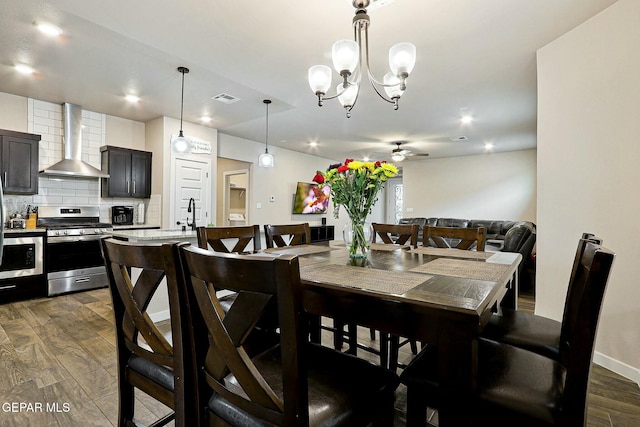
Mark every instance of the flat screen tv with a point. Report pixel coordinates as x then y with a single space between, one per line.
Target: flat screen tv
311 198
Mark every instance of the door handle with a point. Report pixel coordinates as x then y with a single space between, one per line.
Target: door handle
2 288
134 187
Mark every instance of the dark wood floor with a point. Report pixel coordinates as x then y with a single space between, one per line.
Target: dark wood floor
60 353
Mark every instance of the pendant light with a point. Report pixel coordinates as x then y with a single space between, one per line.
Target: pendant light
266 160
181 145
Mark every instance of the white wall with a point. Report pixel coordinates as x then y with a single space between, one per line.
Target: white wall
498 186
588 157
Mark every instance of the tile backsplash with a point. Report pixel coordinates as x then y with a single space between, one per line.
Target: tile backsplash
45 119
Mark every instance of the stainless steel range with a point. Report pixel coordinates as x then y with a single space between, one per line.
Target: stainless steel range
73 255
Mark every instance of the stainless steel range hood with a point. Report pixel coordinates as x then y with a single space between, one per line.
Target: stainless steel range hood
72 165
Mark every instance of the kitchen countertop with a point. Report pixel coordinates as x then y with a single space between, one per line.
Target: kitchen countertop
24 231
135 227
154 235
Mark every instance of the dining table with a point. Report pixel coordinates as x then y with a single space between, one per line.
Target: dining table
441 297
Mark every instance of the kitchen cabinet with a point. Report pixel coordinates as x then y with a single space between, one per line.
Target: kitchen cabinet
19 162
129 172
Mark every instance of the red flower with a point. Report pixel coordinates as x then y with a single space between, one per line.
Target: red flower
347 161
343 168
377 164
318 178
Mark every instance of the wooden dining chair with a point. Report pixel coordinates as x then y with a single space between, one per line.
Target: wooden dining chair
295 383
287 235
389 346
455 237
517 386
536 333
217 238
396 234
160 366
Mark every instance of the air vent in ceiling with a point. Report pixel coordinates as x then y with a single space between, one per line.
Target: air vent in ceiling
225 98
459 138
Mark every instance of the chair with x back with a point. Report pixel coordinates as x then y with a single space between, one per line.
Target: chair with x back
517 386
393 234
156 364
240 237
287 235
536 333
455 237
396 234
294 383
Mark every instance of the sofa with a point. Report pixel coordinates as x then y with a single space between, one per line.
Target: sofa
503 236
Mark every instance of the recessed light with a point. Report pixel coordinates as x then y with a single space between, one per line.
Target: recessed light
465 120
488 146
205 119
49 29
132 98
313 143
24 69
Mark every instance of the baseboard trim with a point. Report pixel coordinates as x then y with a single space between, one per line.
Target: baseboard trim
160 316
618 367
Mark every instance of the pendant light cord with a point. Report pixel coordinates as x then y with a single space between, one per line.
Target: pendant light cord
266 139
182 70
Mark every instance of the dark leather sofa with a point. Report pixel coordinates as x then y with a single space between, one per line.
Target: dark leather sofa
504 236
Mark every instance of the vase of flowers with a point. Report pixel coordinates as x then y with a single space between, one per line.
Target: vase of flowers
355 186
357 236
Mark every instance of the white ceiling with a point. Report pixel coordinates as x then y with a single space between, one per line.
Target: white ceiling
478 55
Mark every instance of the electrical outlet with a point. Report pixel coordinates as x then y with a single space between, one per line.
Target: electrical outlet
409 209
272 198
258 205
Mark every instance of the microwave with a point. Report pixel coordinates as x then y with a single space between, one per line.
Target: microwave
22 256
122 215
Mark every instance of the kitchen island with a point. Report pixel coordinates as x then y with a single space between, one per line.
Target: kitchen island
155 235
159 305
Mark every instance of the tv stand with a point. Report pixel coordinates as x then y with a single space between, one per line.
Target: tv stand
322 233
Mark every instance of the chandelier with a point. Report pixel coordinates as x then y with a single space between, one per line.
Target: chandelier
351 58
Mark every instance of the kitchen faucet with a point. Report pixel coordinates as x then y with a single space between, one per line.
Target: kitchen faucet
193 213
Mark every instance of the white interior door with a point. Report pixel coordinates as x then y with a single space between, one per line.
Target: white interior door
192 180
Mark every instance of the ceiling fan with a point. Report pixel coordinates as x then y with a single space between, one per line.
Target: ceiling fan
399 154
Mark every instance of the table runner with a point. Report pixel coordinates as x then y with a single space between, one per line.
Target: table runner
390 282
298 250
452 253
463 268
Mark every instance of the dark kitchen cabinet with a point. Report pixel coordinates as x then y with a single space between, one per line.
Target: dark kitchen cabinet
129 172
19 162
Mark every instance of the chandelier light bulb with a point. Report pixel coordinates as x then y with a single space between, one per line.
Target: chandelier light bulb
392 86
345 54
402 58
320 78
347 96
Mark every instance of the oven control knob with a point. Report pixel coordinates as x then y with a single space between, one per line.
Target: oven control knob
81 232
65 232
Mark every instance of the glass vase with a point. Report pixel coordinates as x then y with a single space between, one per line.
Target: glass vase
357 235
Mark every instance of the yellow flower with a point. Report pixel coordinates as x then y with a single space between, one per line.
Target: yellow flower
355 165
